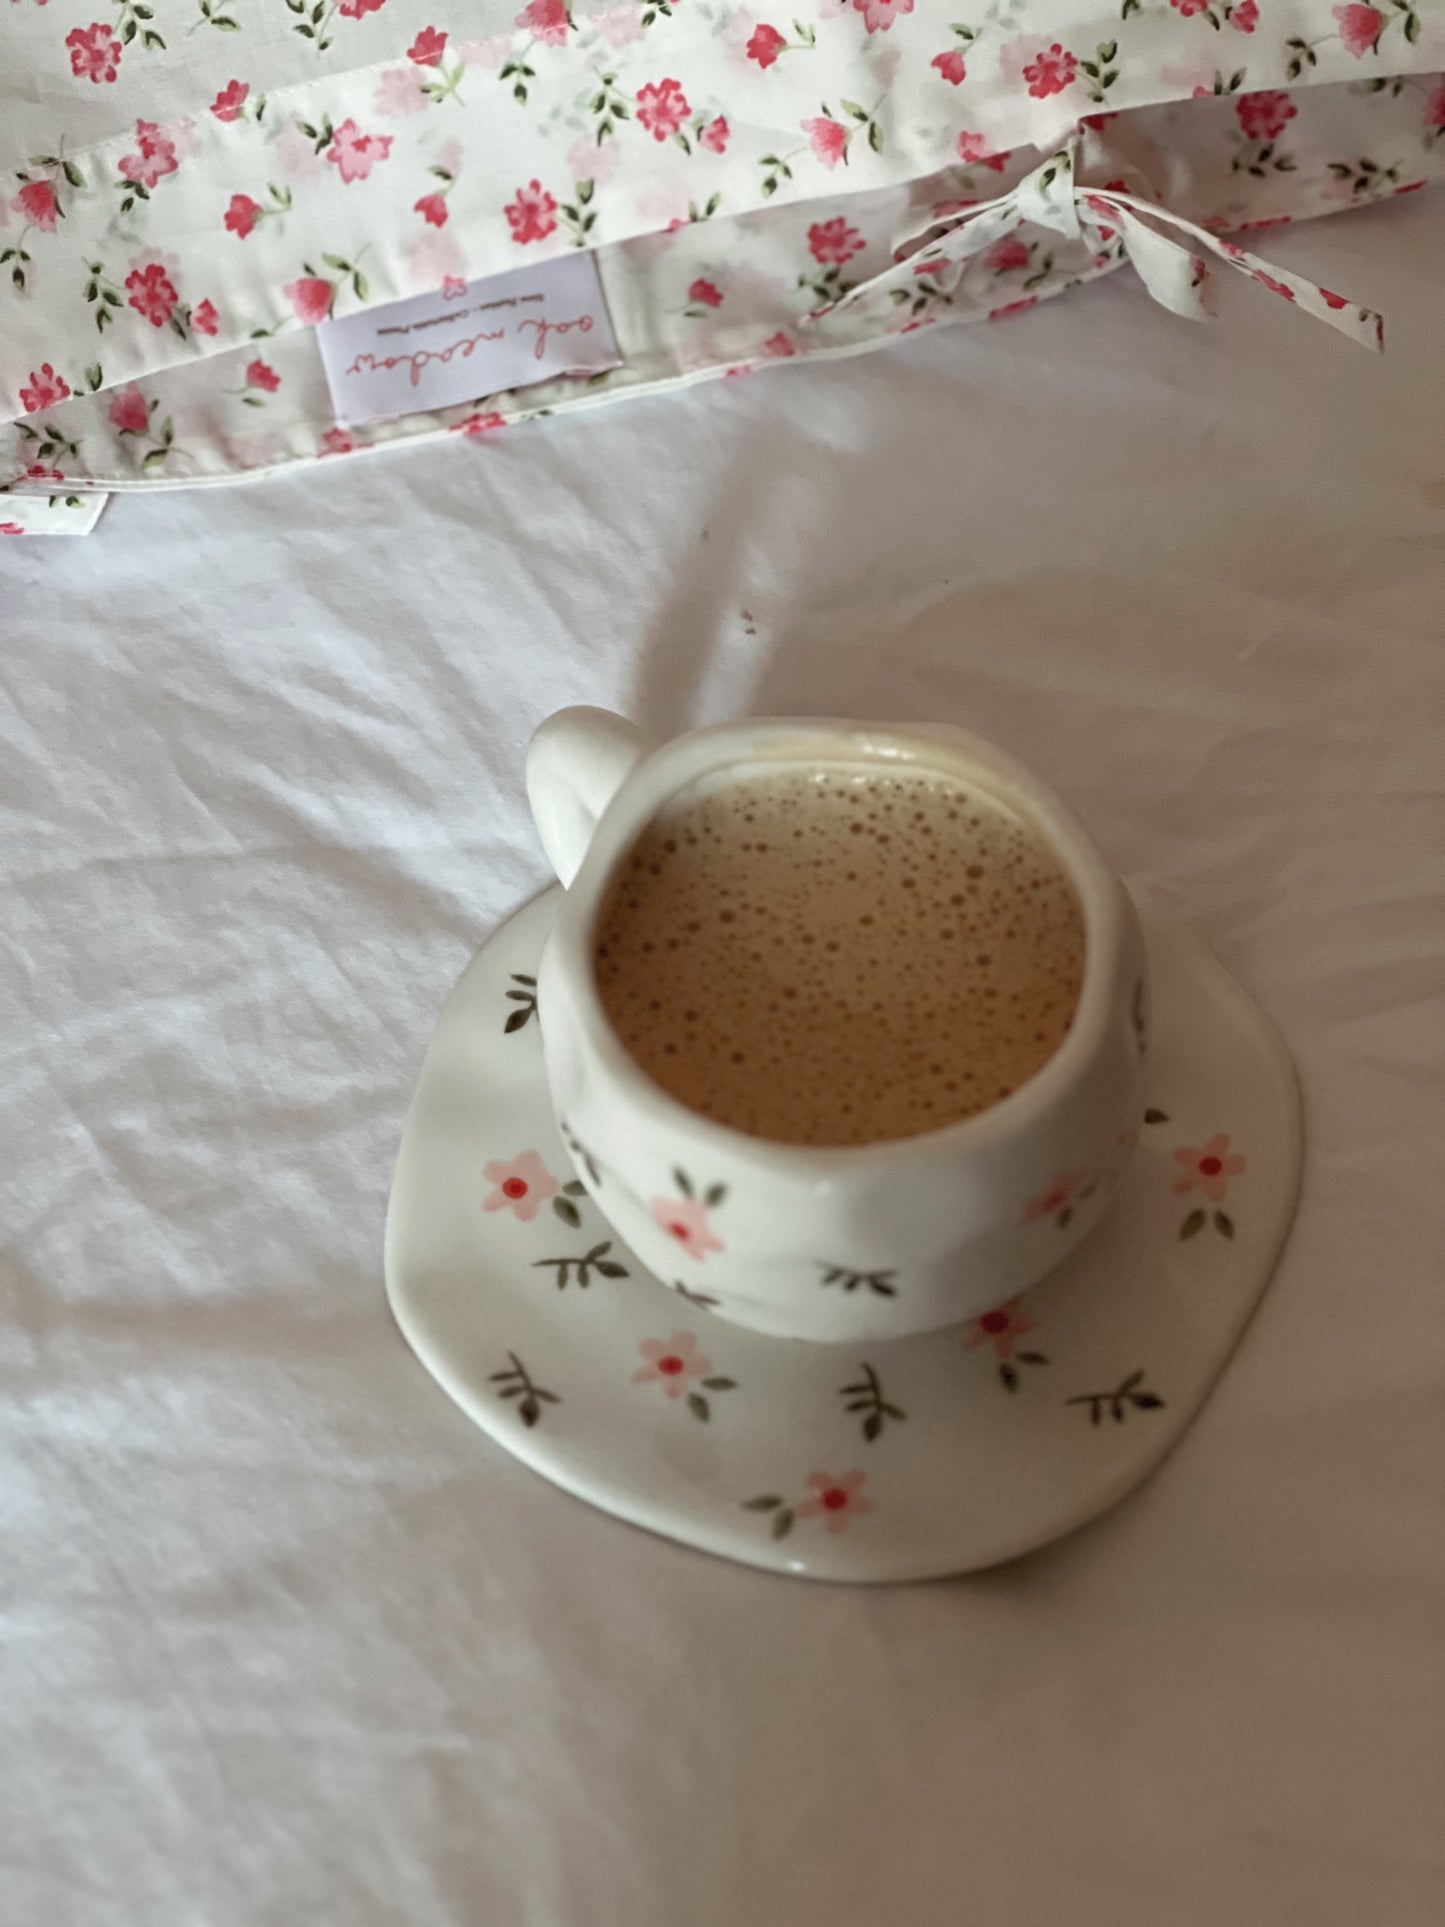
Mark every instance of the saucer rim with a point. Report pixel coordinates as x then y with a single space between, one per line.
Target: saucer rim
1163 929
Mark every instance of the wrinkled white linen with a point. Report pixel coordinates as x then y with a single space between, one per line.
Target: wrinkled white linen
288 1641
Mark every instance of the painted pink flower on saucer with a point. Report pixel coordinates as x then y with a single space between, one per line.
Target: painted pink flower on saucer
521 1184
674 1363
999 1328
835 1499
1207 1169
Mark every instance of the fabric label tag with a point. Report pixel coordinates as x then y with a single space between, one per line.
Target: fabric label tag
468 339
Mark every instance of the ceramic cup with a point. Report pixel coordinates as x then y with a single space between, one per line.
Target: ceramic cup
831 1244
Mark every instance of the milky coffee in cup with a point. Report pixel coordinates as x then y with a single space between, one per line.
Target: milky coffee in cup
841 954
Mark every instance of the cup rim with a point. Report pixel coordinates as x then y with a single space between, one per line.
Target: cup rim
947 750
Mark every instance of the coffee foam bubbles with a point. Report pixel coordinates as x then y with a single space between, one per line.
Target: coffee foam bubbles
839 955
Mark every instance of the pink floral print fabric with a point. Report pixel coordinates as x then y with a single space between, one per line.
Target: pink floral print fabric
189 187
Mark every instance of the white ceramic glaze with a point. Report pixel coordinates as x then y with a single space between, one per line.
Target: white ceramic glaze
870 1241
875 1460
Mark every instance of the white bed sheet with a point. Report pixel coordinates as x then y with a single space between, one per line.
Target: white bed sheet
286 1639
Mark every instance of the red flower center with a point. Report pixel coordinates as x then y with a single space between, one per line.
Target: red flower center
994 1321
514 1188
672 1365
1211 1167
679 1231
835 1498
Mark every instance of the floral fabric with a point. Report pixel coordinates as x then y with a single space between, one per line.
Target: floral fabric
191 186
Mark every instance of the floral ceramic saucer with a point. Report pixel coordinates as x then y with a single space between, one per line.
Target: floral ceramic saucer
902 1459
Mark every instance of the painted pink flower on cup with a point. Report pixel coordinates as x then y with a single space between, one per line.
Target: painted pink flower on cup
1264 116
532 216
204 318
1274 286
337 441
828 139
1435 110
354 9
879 15
355 153
951 66
834 243
549 20
521 1185
1207 1169
311 297
674 1363
129 412
242 215
45 389
835 1499
998 1328
37 202
1051 71
432 208
1063 1193
662 107
765 46
1244 17
231 100
778 347
1360 29
428 47
260 374
1189 7
705 295
686 1220
152 294
714 137
94 52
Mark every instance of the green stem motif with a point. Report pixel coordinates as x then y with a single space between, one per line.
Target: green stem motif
313 20
704 1300
1364 176
698 1405
782 1513
525 998
563 1204
517 1383
213 14
594 1260
579 1151
519 72
1129 1392
1198 1218
609 104
777 169
867 1397
102 294
714 1194
131 19
579 214
1007 1372
880 1282
48 441
1101 71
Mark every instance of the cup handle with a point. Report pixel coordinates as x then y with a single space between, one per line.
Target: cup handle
577 762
